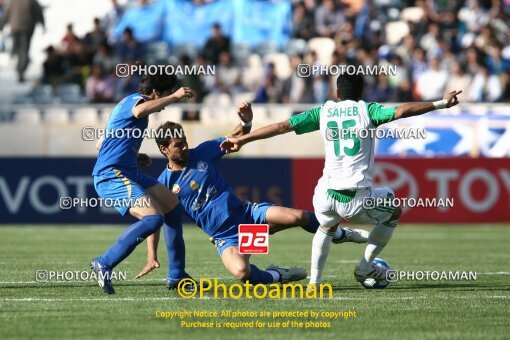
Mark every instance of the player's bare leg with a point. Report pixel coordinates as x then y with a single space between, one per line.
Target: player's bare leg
175 246
281 218
166 201
239 266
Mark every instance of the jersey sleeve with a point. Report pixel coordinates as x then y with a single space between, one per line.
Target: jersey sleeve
129 103
211 149
307 121
379 114
164 179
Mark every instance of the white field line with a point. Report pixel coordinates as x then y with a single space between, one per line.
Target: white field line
162 280
208 298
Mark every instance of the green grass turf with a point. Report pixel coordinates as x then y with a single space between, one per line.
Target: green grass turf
417 310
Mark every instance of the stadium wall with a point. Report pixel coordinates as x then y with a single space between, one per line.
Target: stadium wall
478 130
30 188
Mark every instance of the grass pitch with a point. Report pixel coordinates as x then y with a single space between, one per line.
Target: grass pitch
411 309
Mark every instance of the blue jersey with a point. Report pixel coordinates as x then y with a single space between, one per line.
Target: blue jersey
120 149
206 196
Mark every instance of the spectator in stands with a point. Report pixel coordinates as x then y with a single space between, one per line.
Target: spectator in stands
99 86
52 67
474 18
418 64
401 74
69 39
458 80
208 80
405 48
22 16
495 60
271 89
228 76
129 48
194 82
125 86
328 19
320 81
105 58
485 86
475 36
431 83
403 92
77 63
505 82
293 88
94 38
303 25
216 44
472 61
111 19
382 92
429 42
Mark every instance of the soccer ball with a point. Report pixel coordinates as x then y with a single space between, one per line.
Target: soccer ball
374 284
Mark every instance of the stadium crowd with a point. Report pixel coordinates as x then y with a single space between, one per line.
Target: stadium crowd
437 46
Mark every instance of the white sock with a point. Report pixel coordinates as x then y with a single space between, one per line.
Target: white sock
320 250
378 238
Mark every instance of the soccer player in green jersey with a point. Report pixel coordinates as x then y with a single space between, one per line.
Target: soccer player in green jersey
345 189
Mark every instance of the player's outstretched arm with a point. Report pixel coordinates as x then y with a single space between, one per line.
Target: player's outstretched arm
235 144
246 115
146 108
99 143
416 109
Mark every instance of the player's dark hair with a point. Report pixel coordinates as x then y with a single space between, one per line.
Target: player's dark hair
350 86
166 131
158 82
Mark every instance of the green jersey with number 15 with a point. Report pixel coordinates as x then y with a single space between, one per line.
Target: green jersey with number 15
345 128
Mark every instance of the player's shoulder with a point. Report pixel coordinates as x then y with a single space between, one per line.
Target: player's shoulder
133 98
165 175
210 143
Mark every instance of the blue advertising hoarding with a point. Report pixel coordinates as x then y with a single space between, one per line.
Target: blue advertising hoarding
31 188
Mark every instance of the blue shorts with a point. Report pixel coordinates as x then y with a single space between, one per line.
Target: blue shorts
250 213
123 186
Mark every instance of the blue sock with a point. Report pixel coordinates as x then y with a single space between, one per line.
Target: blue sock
130 238
313 223
259 276
175 247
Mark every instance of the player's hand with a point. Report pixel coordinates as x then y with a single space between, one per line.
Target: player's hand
183 92
143 160
245 113
451 98
150 266
231 144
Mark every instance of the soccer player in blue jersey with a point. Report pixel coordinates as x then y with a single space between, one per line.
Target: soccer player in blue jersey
117 177
209 200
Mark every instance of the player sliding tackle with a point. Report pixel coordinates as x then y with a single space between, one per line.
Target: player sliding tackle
117 177
210 201
347 176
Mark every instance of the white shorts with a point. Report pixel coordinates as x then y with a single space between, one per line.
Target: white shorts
360 210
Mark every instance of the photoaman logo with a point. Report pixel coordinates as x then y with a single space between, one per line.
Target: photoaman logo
253 238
